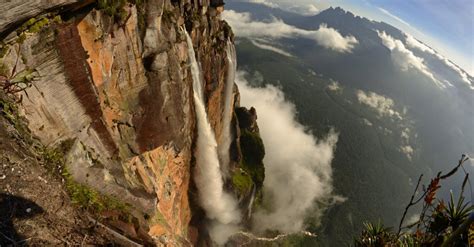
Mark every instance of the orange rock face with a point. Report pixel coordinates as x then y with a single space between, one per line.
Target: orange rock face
166 172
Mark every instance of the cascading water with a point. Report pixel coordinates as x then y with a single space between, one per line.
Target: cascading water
220 207
252 198
226 135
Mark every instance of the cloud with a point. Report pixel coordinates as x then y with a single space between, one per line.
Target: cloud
462 74
296 7
307 10
405 147
412 42
367 122
298 169
270 48
408 151
334 86
404 58
264 2
405 134
384 106
388 13
325 36
412 220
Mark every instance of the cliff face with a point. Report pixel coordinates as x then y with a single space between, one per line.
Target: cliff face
112 81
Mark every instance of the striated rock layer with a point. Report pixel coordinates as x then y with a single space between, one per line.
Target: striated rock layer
118 87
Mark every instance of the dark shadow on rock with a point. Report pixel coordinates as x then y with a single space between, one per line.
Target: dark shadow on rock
11 208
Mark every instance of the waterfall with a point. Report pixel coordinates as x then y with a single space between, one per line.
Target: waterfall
226 135
252 198
220 207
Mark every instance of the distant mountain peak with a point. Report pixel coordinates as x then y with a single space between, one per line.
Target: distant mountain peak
337 11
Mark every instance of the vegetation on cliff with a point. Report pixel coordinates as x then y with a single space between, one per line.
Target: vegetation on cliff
34 208
439 223
53 159
251 168
253 152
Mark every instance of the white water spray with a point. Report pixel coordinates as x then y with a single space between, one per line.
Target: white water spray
226 135
220 207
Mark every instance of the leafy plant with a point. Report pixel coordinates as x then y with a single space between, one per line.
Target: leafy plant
114 8
457 212
375 235
439 224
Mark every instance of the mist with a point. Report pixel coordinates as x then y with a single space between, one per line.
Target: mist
298 169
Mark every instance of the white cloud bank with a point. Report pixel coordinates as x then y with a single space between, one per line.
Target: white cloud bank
405 59
264 2
305 9
297 165
412 42
296 7
325 36
265 46
384 106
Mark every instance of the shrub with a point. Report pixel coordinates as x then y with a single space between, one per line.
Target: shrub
440 224
253 153
242 182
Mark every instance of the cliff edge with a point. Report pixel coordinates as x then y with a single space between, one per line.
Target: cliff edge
105 88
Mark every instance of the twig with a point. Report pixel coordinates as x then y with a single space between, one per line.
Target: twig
411 203
11 240
84 239
461 161
22 241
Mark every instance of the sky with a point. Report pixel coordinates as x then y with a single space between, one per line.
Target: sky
445 25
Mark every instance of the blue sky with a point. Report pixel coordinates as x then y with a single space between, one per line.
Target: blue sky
445 25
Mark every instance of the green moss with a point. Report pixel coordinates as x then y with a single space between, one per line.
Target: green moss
253 152
21 38
37 26
57 19
25 25
121 15
113 8
34 25
4 70
90 199
10 111
157 219
81 195
242 182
